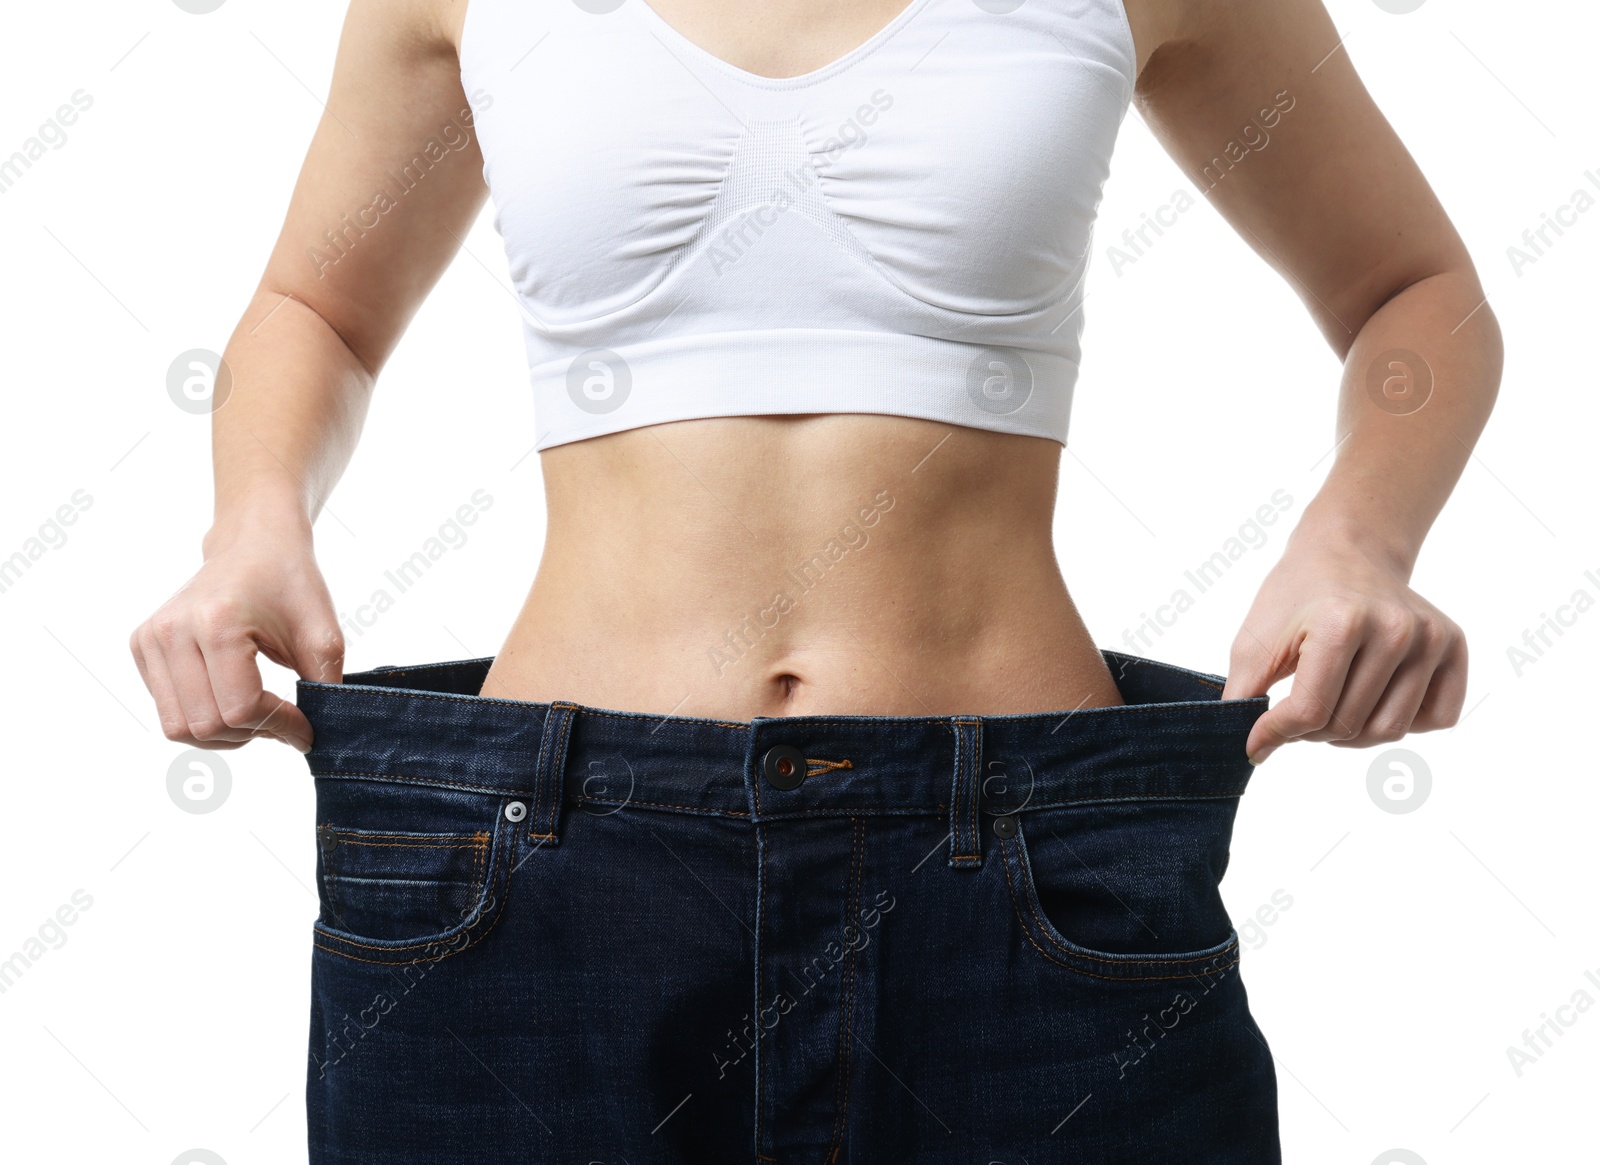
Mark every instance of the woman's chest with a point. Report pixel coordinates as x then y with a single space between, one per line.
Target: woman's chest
960 149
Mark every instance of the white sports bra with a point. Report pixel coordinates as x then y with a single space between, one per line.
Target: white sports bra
905 230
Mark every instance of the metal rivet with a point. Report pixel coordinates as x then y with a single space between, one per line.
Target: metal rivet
1005 827
516 811
325 836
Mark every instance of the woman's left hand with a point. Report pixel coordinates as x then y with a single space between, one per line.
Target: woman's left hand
1372 660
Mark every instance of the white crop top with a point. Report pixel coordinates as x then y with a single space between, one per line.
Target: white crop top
905 230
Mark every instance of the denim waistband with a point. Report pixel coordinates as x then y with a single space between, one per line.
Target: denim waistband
1173 737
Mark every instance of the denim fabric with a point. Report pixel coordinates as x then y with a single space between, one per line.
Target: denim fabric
567 934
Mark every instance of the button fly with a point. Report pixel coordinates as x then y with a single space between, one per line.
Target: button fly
784 766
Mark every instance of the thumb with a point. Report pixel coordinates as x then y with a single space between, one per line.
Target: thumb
1253 667
316 652
1252 670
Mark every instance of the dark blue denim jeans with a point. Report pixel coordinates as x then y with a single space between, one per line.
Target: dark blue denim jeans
566 934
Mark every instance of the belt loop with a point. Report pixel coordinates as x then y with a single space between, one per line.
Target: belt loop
550 773
965 849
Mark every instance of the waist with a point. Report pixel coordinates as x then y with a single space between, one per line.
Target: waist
428 724
741 567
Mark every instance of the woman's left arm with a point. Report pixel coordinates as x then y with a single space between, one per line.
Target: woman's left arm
1328 195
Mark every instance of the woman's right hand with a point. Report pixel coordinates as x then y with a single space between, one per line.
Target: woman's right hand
259 591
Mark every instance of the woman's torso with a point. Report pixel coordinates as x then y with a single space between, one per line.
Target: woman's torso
850 563
773 566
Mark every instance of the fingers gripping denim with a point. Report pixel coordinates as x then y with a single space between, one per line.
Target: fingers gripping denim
568 934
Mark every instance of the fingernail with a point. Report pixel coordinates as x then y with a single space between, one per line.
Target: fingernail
1260 755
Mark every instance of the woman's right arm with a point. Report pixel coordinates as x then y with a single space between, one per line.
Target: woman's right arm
392 179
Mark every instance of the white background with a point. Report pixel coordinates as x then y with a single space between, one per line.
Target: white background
1418 947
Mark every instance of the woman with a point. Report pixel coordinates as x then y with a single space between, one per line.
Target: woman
798 818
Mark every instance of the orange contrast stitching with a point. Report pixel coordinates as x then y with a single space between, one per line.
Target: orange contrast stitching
413 844
451 781
663 805
469 838
825 766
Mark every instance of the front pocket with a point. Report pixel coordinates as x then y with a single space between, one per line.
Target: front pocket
1126 890
409 873
397 886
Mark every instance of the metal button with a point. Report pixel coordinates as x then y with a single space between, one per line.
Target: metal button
1005 827
516 811
325 837
784 766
